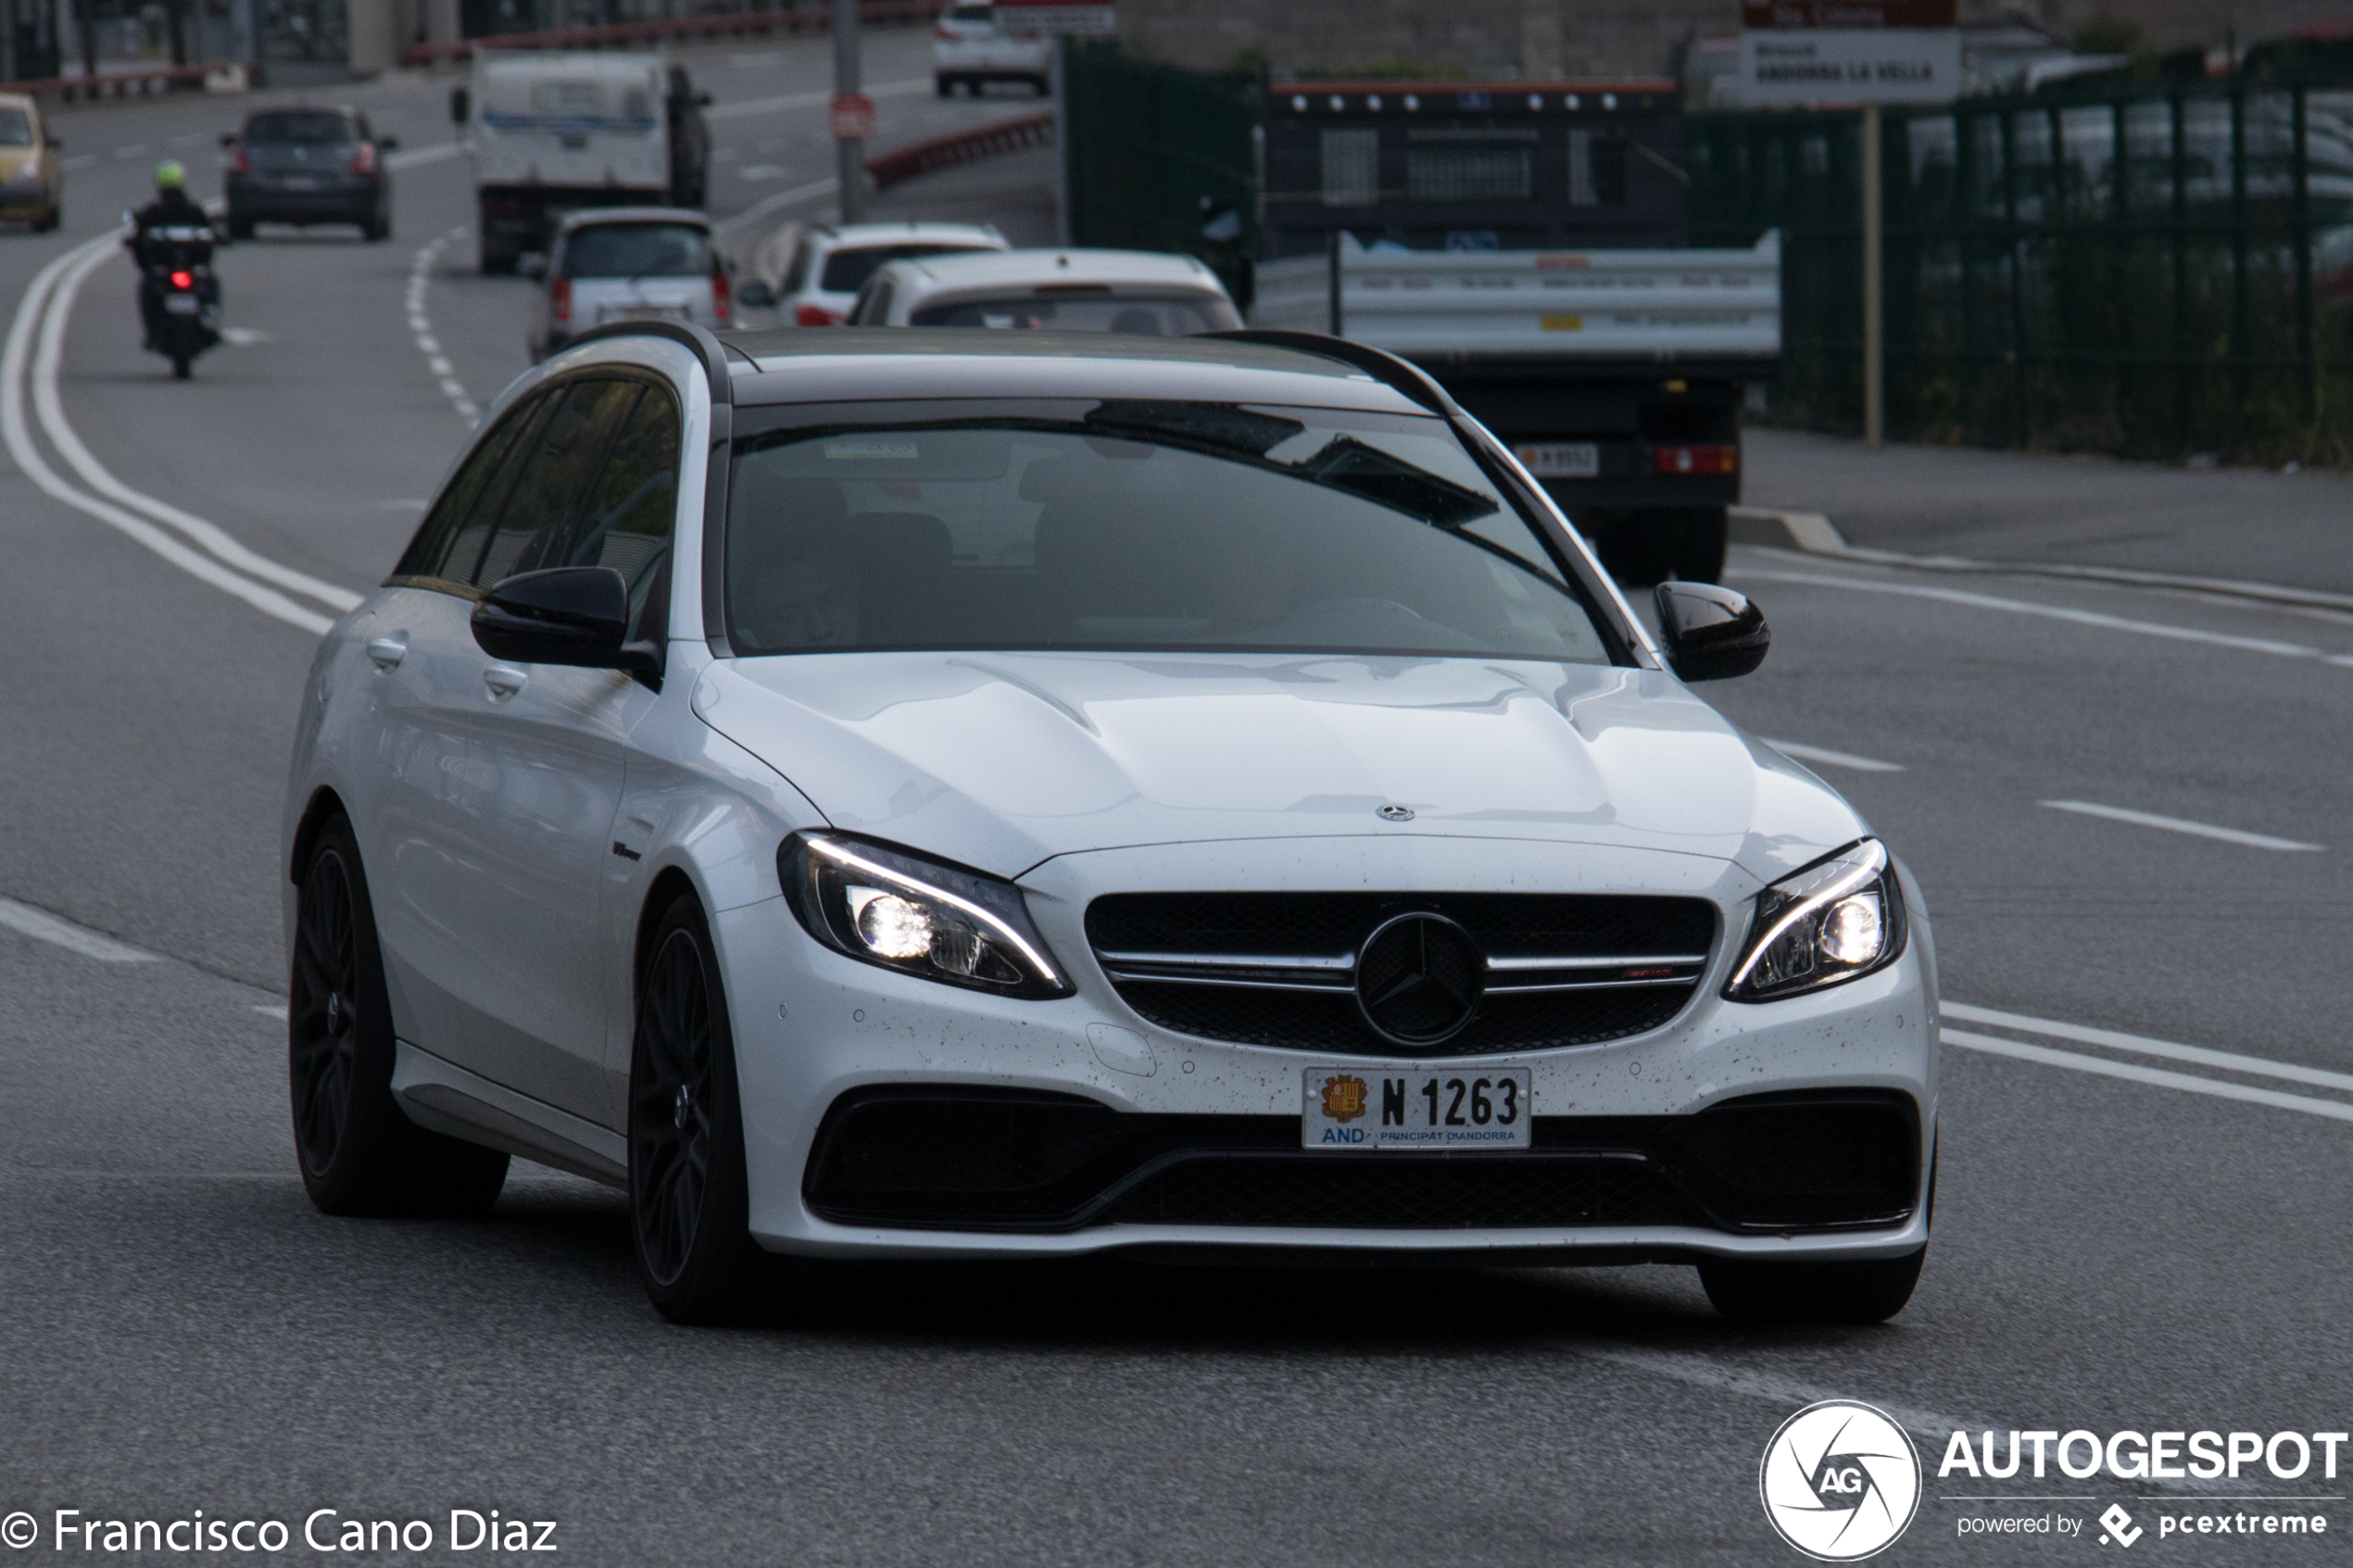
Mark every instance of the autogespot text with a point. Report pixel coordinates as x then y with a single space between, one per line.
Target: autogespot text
2146 1456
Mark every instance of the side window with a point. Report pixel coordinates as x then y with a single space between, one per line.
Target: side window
450 541
628 520
561 455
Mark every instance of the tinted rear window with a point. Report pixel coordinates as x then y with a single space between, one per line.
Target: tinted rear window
309 128
1167 317
847 270
638 250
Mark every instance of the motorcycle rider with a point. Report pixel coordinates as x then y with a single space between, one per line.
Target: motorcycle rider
172 209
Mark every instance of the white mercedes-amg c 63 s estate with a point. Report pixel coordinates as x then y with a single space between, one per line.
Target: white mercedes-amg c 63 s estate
948 794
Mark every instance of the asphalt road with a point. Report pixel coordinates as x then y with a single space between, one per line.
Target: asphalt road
179 1330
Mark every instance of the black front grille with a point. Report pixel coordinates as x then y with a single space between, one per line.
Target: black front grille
955 1157
1277 969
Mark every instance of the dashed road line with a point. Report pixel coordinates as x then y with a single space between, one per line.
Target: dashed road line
1835 758
2182 824
43 926
420 327
2049 612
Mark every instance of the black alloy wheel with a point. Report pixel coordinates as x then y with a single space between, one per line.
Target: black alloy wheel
359 1153
689 1200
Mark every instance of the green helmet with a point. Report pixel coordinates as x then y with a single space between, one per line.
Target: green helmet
169 175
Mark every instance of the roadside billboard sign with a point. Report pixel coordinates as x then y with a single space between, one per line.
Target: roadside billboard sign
1031 18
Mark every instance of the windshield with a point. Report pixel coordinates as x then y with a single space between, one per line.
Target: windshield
1171 315
847 270
1138 525
16 128
638 250
307 128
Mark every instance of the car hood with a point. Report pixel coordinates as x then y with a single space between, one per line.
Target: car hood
1001 761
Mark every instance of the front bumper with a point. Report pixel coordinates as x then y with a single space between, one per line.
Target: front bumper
1191 1143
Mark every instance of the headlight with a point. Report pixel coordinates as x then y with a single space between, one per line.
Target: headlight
1841 917
918 917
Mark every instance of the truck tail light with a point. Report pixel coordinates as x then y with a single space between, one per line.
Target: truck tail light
559 298
363 158
815 316
1695 459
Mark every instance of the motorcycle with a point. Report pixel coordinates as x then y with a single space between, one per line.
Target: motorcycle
176 277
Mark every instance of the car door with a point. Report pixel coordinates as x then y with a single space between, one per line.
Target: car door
525 771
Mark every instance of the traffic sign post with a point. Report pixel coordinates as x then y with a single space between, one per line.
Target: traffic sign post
850 127
1867 53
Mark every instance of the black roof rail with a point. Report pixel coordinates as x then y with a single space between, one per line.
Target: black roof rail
1402 375
706 348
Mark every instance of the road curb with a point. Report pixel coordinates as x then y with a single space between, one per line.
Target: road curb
1816 534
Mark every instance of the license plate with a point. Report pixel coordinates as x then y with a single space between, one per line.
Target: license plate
1472 1108
1561 460
299 182
646 313
181 304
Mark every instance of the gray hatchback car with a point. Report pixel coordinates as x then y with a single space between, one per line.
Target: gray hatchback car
630 264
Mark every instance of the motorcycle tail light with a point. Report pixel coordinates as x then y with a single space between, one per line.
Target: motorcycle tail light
184 280
815 316
559 298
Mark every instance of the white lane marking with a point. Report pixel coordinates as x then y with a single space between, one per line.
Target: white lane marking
2142 1045
1765 1386
50 405
275 1009
412 157
2179 824
762 171
2051 612
134 149
46 927
19 439
80 160
2075 1061
421 325
778 203
913 85
1835 758
189 139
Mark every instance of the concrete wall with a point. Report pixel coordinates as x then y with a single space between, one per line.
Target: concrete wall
1538 38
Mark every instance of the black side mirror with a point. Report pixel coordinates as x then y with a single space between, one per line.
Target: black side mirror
387 144
757 294
228 138
575 615
702 100
1711 634
461 105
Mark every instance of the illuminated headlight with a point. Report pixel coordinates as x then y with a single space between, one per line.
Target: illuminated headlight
919 917
1840 917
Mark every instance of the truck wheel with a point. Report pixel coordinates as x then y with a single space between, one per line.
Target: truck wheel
1637 546
1699 545
496 262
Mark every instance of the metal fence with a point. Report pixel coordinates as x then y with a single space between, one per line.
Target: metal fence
1162 158
2157 272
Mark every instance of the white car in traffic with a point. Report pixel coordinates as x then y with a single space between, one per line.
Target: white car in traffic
949 794
970 48
629 264
828 264
1148 293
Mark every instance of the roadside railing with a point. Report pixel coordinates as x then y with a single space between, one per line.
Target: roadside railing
902 164
143 82
679 30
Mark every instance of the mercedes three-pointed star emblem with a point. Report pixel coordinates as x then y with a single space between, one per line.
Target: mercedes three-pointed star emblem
1418 980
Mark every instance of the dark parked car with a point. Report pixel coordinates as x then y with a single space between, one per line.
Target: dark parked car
308 166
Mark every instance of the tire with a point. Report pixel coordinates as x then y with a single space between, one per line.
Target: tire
240 228
940 86
1637 546
1699 538
1872 1290
689 1197
49 221
377 229
359 1153
182 367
